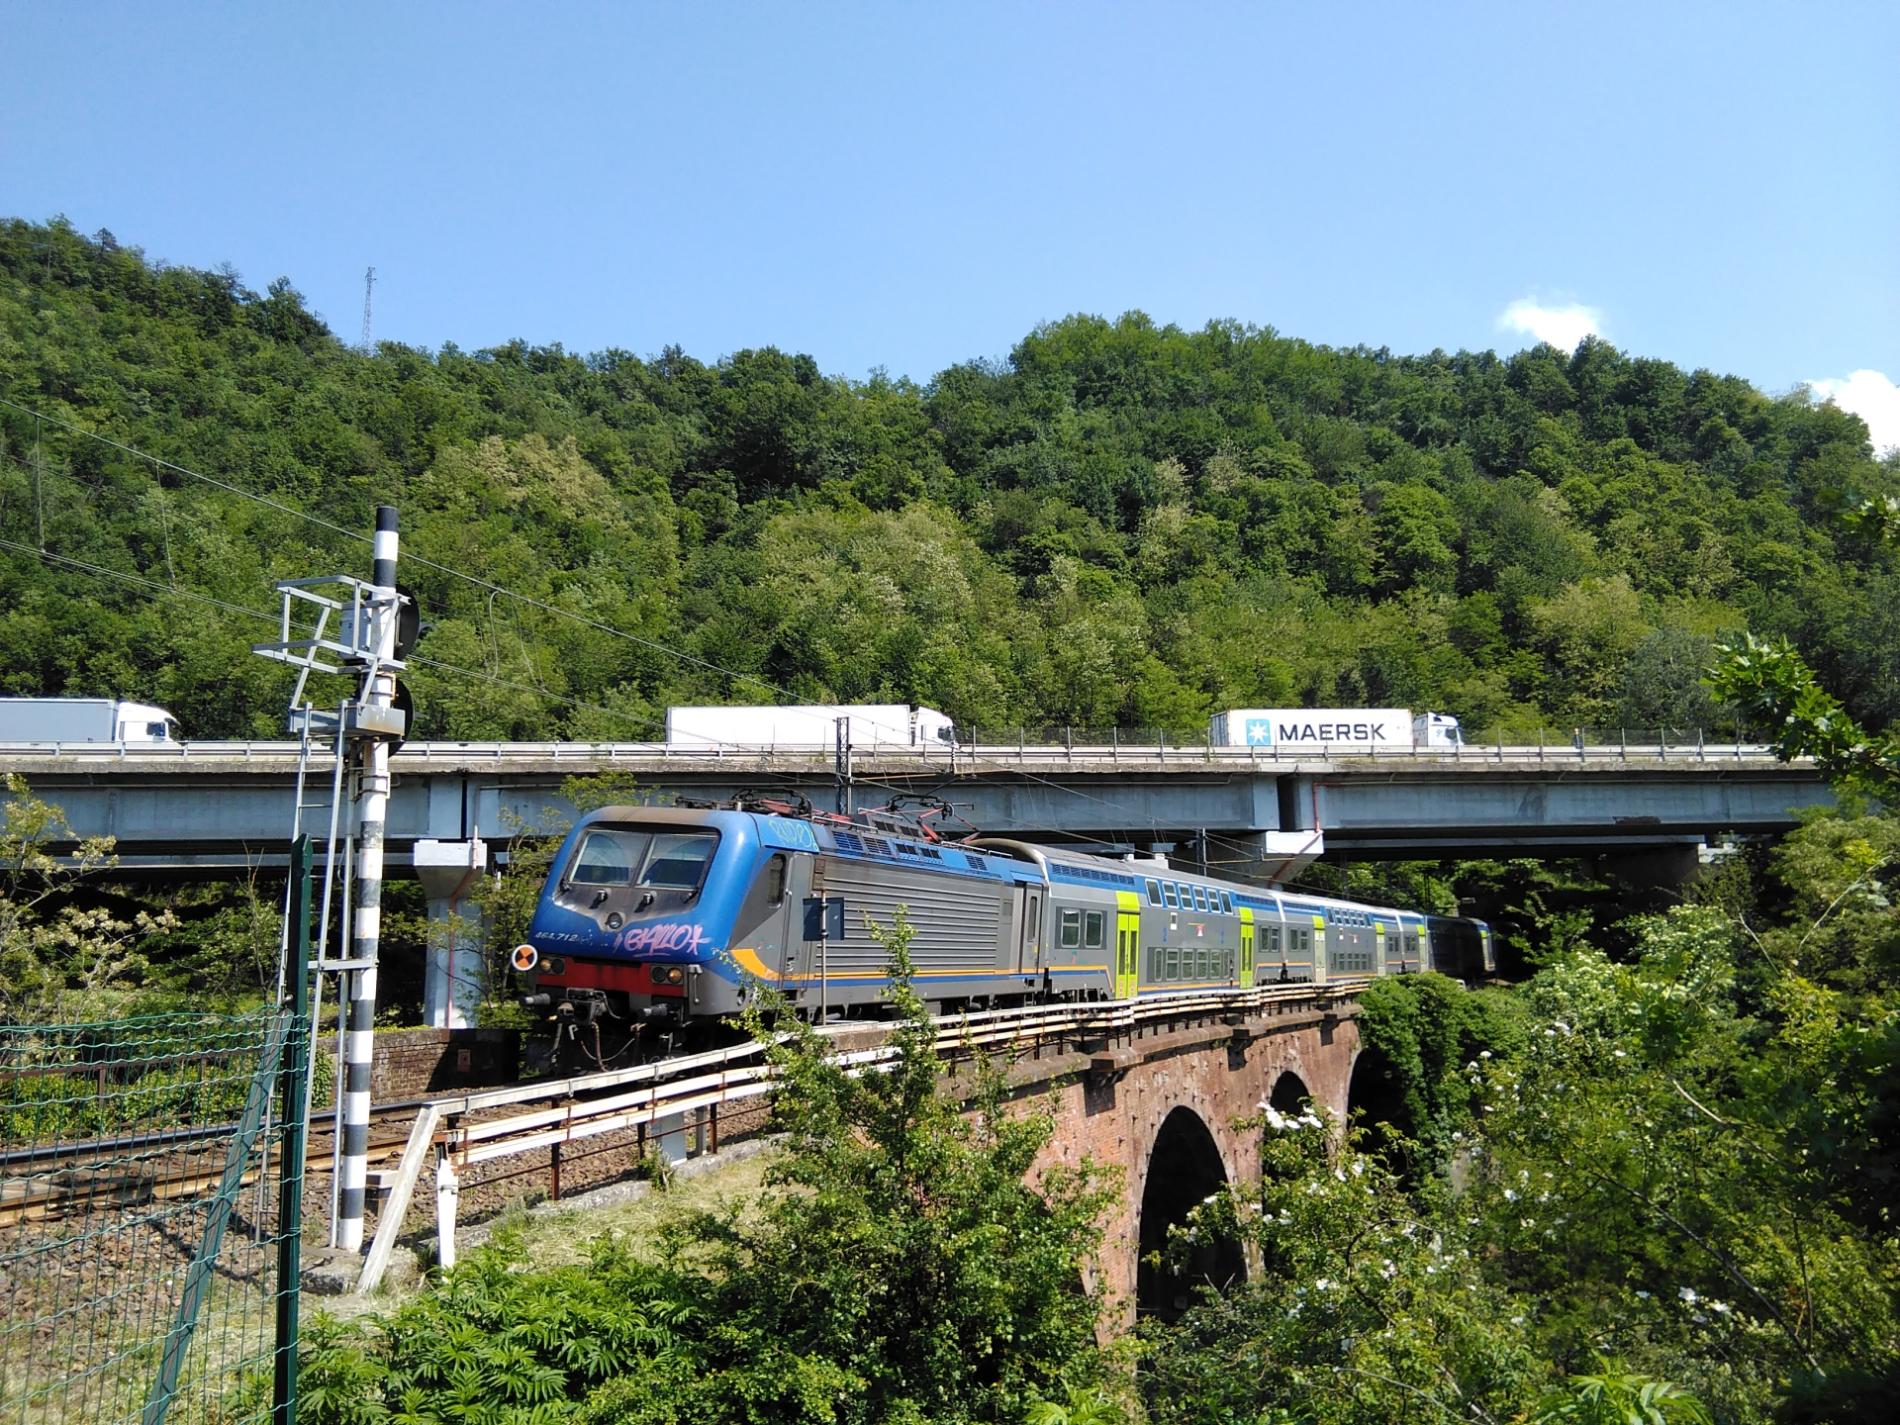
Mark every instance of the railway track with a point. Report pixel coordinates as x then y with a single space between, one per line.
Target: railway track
51 1182
65 1180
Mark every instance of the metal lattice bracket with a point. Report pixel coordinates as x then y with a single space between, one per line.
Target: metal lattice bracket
343 625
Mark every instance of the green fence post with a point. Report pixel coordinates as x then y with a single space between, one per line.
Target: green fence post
290 1187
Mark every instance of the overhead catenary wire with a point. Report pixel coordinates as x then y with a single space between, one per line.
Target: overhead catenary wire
157 587
411 559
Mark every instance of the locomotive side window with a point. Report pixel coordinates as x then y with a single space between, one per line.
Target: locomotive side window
775 879
1071 929
608 858
1095 933
678 861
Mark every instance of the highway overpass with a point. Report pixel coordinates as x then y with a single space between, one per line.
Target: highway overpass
209 808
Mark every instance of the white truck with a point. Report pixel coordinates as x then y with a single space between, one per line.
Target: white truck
84 720
1335 729
872 725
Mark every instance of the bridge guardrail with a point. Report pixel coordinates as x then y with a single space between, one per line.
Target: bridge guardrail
971 758
549 1115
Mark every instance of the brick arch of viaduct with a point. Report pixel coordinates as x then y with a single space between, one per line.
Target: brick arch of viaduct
1112 1111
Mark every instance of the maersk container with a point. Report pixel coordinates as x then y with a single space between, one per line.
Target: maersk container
84 720
1344 729
872 725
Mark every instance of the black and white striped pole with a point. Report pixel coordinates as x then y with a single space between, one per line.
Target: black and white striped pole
375 697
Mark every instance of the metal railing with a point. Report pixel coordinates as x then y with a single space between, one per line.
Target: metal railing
487 1126
973 757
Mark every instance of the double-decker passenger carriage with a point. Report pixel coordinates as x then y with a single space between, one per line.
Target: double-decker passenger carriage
668 916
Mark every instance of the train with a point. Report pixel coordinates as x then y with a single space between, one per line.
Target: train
673 916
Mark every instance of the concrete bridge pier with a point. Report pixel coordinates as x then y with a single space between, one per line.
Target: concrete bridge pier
452 977
1653 867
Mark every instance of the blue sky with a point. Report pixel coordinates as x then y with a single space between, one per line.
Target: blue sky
910 185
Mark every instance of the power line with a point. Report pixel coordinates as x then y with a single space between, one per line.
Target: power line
449 570
777 693
154 586
634 719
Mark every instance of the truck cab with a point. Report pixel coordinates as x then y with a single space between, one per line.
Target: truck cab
1430 729
141 722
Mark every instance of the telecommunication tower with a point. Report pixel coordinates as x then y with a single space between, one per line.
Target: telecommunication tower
369 285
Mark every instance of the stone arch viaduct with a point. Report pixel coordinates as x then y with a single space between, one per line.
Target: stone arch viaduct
1162 1110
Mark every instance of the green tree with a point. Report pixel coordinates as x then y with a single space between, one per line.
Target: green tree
61 958
903 1264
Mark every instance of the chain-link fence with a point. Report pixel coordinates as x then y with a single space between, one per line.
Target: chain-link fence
150 1202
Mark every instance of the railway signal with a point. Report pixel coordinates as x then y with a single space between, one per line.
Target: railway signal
359 629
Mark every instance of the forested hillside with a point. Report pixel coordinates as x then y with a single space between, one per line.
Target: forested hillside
1121 524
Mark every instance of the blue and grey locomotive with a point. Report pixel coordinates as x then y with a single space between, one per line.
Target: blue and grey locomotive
667 915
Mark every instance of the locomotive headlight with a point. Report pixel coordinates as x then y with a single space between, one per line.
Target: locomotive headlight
668 975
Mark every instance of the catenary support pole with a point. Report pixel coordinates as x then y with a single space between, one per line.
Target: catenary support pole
377 694
296 1112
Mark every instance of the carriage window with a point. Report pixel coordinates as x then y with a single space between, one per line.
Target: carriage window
1095 934
678 861
1071 929
1154 962
1200 897
1154 893
1174 963
608 858
1202 966
1227 901
1167 891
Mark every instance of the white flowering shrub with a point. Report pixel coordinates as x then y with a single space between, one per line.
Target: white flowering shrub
1360 1304
1636 1179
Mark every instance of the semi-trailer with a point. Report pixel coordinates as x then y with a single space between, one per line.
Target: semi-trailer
870 725
1358 729
84 720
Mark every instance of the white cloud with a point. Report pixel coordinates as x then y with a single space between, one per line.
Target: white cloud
1873 397
1562 326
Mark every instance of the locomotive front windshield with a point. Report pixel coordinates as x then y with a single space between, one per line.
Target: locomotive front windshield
626 856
